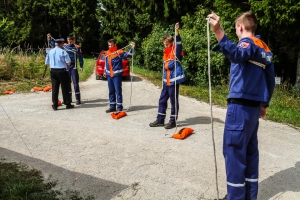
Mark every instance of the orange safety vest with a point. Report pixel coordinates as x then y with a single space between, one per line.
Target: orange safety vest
111 54
169 55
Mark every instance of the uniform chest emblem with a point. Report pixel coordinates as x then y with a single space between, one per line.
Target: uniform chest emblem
244 45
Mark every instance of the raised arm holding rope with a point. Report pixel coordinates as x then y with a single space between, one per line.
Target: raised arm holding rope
113 73
250 90
173 75
74 52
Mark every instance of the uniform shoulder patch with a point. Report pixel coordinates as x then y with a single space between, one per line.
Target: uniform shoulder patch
244 45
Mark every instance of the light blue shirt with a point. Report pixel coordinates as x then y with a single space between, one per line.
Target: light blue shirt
57 58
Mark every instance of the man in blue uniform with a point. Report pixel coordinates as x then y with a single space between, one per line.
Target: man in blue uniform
251 87
74 52
172 77
113 73
58 60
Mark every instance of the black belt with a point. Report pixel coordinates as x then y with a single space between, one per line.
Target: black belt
58 69
244 102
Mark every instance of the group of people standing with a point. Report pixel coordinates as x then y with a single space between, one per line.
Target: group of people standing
251 87
62 60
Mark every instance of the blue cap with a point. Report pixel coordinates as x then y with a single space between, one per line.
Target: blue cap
61 40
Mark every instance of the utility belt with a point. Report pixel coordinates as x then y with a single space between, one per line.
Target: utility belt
244 102
58 69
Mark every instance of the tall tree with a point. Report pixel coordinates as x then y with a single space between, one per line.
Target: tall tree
279 22
78 18
28 20
126 19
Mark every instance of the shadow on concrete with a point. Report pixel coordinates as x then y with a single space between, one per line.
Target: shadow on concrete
140 107
94 100
134 79
127 79
93 103
199 120
86 185
280 182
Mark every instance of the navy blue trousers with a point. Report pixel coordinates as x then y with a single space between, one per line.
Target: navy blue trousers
240 150
166 93
115 92
74 77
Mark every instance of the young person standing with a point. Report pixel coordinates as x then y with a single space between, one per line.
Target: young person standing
251 87
172 77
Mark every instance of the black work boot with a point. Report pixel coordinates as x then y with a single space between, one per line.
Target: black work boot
156 124
69 106
110 110
54 107
170 125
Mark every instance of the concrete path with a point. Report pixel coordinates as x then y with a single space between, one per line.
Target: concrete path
84 149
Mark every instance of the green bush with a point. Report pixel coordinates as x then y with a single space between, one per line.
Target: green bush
17 63
193 32
195 41
7 62
152 49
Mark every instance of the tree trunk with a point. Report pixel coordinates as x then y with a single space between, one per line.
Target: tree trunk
298 73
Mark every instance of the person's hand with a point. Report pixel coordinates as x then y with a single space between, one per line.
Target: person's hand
176 28
214 21
104 75
81 69
263 112
49 36
132 44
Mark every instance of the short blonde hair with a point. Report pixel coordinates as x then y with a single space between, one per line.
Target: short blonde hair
249 20
167 38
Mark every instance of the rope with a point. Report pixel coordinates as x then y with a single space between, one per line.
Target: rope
131 77
175 65
211 113
27 147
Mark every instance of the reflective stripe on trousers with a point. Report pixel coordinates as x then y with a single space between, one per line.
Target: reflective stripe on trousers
166 93
115 92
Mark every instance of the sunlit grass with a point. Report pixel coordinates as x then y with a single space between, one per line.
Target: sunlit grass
23 85
284 106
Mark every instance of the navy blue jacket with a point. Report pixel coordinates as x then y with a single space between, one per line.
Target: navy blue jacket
252 71
172 75
113 62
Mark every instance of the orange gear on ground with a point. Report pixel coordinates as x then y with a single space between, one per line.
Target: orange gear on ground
118 115
183 133
37 89
47 88
9 91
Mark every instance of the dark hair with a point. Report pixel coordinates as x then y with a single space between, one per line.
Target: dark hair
70 37
111 41
167 38
249 20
